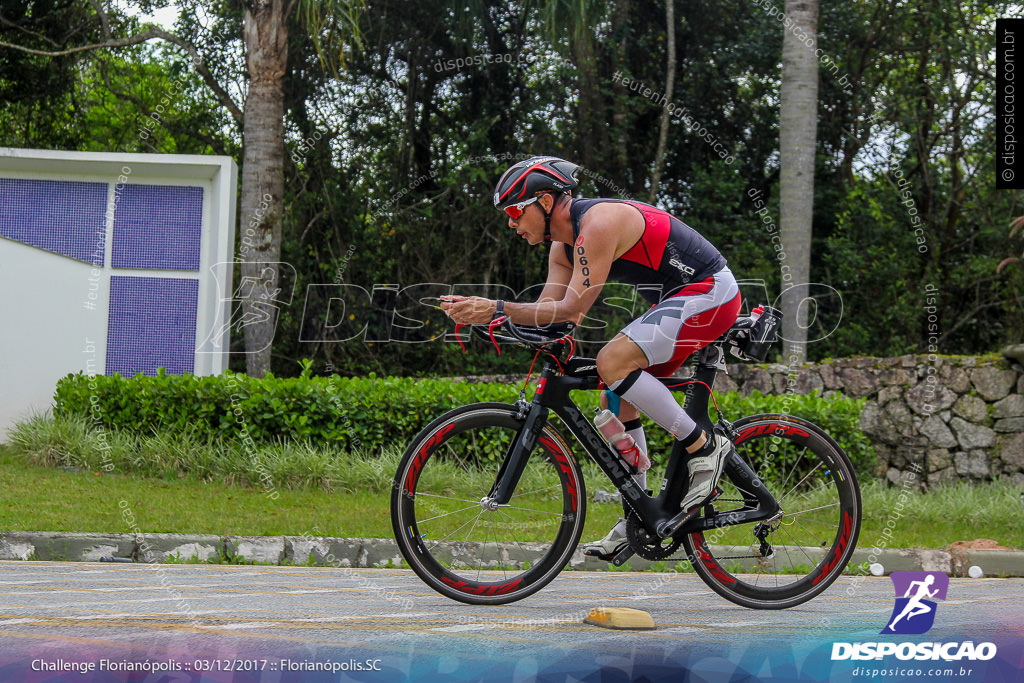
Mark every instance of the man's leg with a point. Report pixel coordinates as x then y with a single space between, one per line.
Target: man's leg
666 335
660 341
660 406
621 365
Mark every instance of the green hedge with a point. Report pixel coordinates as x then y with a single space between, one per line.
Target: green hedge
363 413
359 412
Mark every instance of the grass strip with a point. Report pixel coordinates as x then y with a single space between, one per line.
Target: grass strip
181 483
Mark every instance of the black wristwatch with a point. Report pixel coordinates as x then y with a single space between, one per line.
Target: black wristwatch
501 309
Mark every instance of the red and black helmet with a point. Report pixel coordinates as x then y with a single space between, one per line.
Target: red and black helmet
536 174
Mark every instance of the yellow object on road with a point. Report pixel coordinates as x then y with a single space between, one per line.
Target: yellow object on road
619 617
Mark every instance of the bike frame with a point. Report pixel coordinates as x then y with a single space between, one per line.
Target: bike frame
655 512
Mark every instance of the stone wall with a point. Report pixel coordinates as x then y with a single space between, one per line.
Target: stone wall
954 417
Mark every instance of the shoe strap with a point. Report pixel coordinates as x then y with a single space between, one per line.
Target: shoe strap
704 463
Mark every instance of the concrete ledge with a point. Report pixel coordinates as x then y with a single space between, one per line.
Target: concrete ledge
25 545
176 548
324 550
383 552
259 549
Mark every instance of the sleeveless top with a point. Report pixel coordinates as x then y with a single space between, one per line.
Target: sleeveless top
669 254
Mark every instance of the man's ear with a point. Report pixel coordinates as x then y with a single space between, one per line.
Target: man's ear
547 201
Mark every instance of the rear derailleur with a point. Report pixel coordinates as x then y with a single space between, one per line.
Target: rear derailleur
762 529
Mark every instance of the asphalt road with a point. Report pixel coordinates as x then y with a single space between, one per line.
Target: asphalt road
388 622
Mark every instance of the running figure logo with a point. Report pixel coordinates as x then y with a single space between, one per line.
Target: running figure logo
914 612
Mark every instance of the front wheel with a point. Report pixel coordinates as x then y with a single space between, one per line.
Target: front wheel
453 540
787 560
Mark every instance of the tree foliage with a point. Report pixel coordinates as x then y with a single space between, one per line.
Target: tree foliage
394 144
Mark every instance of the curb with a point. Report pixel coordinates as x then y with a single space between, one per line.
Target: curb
383 552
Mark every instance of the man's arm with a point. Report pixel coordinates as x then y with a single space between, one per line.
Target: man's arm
592 259
559 274
593 254
482 310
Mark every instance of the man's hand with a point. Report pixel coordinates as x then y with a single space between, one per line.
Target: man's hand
469 310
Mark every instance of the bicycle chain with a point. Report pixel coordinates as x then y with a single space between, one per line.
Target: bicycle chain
645 545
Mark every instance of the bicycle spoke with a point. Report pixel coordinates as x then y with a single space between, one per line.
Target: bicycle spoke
816 521
474 520
454 512
806 476
462 464
802 549
497 549
516 541
786 480
811 534
806 494
804 512
458 500
530 493
539 512
484 544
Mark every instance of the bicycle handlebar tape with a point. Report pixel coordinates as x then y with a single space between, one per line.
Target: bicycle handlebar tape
619 618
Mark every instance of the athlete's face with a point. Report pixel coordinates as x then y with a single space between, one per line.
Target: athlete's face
530 225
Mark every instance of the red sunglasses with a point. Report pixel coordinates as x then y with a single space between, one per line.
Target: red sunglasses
515 211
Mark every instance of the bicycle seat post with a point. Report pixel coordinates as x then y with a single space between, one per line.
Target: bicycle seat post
710 360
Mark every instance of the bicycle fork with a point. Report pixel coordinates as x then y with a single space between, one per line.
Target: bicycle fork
514 464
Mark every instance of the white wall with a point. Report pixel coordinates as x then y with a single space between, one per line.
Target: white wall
47 329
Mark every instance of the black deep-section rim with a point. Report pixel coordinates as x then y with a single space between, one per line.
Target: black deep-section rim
403 511
734 587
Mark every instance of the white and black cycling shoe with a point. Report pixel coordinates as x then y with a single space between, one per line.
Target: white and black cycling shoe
705 470
609 546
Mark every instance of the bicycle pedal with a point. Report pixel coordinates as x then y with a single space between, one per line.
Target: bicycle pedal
623 555
605 557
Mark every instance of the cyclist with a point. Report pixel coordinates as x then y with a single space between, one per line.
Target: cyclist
695 301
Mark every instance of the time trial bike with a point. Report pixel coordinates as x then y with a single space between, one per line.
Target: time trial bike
780 528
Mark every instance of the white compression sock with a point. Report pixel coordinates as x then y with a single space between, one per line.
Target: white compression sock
656 401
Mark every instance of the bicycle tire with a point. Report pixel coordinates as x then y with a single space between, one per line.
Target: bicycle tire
550 500
732 555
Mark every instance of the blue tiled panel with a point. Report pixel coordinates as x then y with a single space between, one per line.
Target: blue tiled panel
158 226
152 325
63 216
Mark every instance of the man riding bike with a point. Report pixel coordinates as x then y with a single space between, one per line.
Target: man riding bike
694 295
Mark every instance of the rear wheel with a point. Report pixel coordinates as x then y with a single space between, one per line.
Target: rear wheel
793 557
455 542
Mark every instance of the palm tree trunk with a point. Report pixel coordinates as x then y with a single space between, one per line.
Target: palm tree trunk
266 40
670 82
798 118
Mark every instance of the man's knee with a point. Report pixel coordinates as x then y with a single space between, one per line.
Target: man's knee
609 364
617 359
